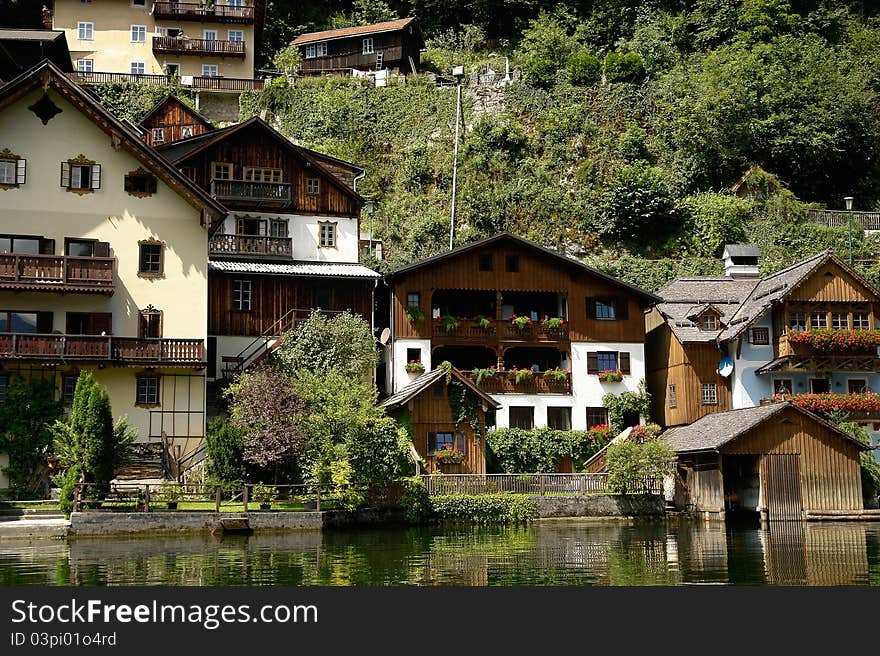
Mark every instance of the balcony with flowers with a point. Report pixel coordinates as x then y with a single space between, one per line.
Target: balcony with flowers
857 405
521 381
823 349
834 342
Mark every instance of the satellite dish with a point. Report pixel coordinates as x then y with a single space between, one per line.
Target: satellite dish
385 336
725 366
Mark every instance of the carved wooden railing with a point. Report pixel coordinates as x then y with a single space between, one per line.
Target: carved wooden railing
503 330
97 348
37 272
209 82
183 46
244 190
219 13
505 382
251 245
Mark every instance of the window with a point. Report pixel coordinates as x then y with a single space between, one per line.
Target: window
559 417
486 262
137 3
278 228
235 35
147 390
186 131
88 323
438 441
861 321
140 183
511 263
68 387
599 361
4 385
158 135
321 49
86 248
607 361
26 245
522 416
310 51
85 31
253 174
760 336
85 65
23 322
138 33
209 35
818 319
327 235
138 68
710 394
839 321
150 260
323 298
241 295
797 322
413 355
221 171
210 70
367 47
596 417
783 386
13 170
672 397
605 309
819 386
80 175
413 299
150 323
709 322
313 186
857 386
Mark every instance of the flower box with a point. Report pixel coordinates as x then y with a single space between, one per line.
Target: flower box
610 376
553 323
521 375
415 367
556 376
599 433
520 322
865 402
825 340
449 456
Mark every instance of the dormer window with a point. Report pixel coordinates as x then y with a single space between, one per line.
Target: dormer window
709 322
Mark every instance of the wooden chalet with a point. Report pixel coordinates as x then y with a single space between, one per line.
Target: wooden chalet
172 120
767 328
392 45
505 304
778 460
424 406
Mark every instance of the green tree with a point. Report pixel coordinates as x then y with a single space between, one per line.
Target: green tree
546 46
25 419
377 451
343 342
224 444
623 67
630 464
717 219
584 69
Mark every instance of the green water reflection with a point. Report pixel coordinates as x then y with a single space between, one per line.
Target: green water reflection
552 553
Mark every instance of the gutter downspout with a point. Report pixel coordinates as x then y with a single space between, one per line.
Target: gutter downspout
391 345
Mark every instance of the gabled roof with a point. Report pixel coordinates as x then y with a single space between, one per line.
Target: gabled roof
20 49
346 32
172 99
179 151
713 431
741 250
425 381
647 297
47 76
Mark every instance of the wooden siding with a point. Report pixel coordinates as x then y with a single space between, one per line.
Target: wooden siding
687 367
396 48
839 287
255 147
537 273
704 482
829 464
172 118
428 413
274 296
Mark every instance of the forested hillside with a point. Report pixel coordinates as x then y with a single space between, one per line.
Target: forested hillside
623 135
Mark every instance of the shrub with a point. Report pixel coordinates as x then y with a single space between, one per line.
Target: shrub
224 444
416 502
584 69
631 464
483 508
516 450
67 481
623 67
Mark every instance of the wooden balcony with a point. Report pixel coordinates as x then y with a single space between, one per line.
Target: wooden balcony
119 351
504 382
194 11
57 273
175 45
251 245
207 82
505 331
252 193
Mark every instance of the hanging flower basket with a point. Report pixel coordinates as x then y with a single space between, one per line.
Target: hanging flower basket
415 367
610 376
449 455
825 340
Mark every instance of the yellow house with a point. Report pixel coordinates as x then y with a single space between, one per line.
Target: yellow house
103 259
210 38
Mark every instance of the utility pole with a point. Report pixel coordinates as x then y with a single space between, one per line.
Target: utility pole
848 201
455 165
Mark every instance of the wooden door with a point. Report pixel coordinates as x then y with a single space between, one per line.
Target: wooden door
782 486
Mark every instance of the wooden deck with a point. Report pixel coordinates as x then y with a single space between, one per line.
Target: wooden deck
57 273
102 348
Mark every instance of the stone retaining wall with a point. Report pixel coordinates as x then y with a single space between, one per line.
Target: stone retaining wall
611 505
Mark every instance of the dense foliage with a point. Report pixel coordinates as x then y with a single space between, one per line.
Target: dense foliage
631 464
483 508
25 421
517 450
870 468
224 446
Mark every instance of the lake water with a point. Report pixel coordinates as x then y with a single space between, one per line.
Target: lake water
569 552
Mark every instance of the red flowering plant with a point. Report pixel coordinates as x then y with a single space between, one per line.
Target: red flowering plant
863 402
521 322
552 323
483 322
415 367
556 375
642 433
837 341
599 433
610 376
449 455
521 375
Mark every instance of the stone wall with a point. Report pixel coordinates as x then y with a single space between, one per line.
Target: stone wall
611 505
100 523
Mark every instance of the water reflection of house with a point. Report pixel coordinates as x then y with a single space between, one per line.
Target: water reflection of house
425 406
798 553
776 459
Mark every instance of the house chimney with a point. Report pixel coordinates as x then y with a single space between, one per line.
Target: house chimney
741 261
47 18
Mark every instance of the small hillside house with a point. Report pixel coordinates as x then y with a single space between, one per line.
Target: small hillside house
392 45
172 120
777 460
425 405
543 334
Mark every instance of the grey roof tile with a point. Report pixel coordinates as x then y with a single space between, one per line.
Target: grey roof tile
333 269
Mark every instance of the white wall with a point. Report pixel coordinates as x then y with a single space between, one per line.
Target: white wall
748 388
398 361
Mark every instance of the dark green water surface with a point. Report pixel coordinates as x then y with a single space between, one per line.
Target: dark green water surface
571 552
